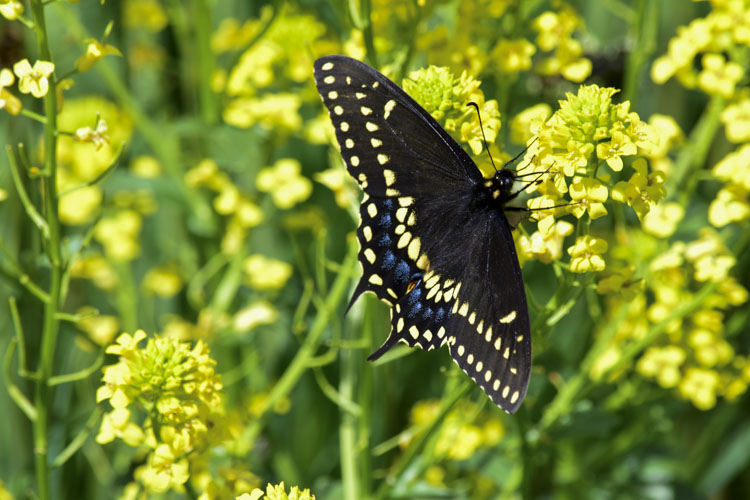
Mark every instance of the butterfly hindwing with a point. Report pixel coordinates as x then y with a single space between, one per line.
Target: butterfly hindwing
433 244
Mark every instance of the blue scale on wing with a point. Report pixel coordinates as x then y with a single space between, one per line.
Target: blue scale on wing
387 269
416 320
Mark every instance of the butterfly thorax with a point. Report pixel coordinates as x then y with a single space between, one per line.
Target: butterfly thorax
495 192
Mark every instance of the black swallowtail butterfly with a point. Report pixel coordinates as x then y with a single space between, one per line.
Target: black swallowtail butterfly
434 240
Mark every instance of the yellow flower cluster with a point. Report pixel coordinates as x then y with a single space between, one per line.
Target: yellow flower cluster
229 201
446 97
567 151
732 203
459 438
694 356
277 492
285 183
264 273
179 395
719 34
555 31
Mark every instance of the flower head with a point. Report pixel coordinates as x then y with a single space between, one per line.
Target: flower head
95 50
585 254
33 80
285 183
8 101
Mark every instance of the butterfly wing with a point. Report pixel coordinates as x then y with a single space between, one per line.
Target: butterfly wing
448 269
401 158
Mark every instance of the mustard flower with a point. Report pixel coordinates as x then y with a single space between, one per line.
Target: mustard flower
710 350
146 167
11 9
33 80
546 243
524 125
619 145
95 50
719 76
642 191
585 254
264 273
119 235
700 387
232 36
256 314
663 364
589 195
277 492
146 14
163 471
96 268
97 135
163 281
513 56
445 97
285 183
339 181
176 390
273 111
730 205
733 168
709 256
8 101
100 328
662 219
736 120
555 30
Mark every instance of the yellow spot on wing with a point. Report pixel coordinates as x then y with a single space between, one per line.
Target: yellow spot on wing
338 110
354 161
413 250
371 127
389 176
387 108
367 233
383 159
369 255
372 210
414 332
375 279
365 110
329 79
327 66
344 127
508 317
376 143
333 94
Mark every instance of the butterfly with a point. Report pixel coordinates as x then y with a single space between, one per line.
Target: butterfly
434 240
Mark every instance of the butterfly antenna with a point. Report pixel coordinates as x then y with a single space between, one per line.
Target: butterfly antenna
486 146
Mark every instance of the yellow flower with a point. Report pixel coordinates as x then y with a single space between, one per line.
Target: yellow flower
11 9
100 328
642 190
284 182
97 136
513 56
146 167
147 14
589 195
662 219
278 492
619 145
339 181
264 273
279 110
663 364
33 80
545 244
718 76
95 50
119 235
699 386
710 349
163 281
163 471
8 101
257 313
736 120
524 125
585 254
731 205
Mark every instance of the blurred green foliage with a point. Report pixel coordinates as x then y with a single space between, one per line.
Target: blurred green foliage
194 192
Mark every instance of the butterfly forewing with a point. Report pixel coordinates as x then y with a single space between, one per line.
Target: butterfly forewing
445 264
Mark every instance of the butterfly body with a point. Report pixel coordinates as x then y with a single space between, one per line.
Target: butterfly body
434 240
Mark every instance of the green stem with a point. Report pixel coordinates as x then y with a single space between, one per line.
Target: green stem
43 393
306 352
348 426
209 107
645 26
693 155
